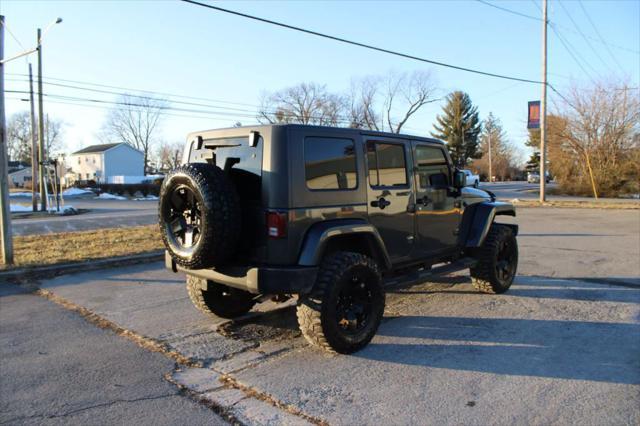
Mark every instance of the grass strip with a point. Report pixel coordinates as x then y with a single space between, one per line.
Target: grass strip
66 247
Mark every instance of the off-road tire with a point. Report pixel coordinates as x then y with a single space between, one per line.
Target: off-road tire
219 299
317 312
220 215
484 276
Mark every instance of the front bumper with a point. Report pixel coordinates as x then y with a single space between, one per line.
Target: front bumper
255 279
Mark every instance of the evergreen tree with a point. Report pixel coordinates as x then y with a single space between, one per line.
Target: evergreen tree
459 125
503 154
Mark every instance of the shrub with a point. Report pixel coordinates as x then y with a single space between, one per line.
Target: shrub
130 188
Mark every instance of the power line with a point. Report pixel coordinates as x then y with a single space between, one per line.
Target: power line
103 107
6 27
524 15
599 40
139 96
359 44
137 90
561 3
599 35
570 50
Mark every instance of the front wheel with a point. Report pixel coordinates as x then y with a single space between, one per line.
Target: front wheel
497 261
218 299
343 313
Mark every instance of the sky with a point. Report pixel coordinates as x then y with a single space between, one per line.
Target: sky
228 61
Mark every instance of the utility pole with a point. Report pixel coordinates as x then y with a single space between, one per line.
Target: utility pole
543 108
41 156
5 207
490 165
34 145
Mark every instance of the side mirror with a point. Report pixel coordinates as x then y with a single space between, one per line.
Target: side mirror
459 179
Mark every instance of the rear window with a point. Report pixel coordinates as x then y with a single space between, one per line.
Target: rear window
330 163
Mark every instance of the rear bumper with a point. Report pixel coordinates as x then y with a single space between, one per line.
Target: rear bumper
256 279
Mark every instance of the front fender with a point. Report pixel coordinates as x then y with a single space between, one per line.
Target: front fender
320 234
477 220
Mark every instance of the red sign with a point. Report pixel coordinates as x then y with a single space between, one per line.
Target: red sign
534 115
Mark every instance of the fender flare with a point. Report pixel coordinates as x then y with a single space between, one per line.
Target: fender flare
319 235
477 219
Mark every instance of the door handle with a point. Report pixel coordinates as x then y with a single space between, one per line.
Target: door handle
381 203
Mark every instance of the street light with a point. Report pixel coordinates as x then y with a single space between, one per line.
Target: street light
6 241
47 28
42 186
35 49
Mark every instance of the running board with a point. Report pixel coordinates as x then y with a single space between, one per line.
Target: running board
420 276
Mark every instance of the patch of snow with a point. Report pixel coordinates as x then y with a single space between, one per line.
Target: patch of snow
19 208
515 200
107 196
20 194
147 198
75 191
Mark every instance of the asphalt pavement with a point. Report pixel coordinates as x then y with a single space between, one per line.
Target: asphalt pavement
562 346
58 369
101 214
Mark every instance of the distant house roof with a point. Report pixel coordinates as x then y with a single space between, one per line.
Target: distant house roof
14 166
94 149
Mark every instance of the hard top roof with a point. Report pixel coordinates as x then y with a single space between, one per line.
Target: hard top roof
209 134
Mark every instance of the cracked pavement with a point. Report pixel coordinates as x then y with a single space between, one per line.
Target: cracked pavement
562 346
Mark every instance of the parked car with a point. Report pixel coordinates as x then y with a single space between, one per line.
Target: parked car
327 214
471 179
533 177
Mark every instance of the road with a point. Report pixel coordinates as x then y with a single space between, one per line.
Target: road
531 191
445 354
102 214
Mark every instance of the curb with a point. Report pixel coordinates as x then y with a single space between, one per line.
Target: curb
70 268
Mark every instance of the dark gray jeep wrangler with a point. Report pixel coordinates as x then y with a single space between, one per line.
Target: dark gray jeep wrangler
328 214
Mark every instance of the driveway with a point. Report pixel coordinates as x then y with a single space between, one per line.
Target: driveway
562 346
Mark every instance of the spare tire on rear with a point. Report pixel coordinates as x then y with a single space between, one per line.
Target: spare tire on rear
199 215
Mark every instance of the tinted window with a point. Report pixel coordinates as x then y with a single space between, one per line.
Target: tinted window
387 165
426 156
431 166
330 163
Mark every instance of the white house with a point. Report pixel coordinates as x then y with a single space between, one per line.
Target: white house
107 163
18 178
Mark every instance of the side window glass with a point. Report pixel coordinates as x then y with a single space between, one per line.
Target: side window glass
387 166
330 163
432 168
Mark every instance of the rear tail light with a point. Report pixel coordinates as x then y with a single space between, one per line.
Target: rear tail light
276 224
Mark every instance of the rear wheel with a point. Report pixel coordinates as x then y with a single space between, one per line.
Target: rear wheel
219 299
344 311
497 261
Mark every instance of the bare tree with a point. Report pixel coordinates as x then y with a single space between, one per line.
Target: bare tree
52 136
599 141
169 155
19 136
305 103
397 95
135 121
362 103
